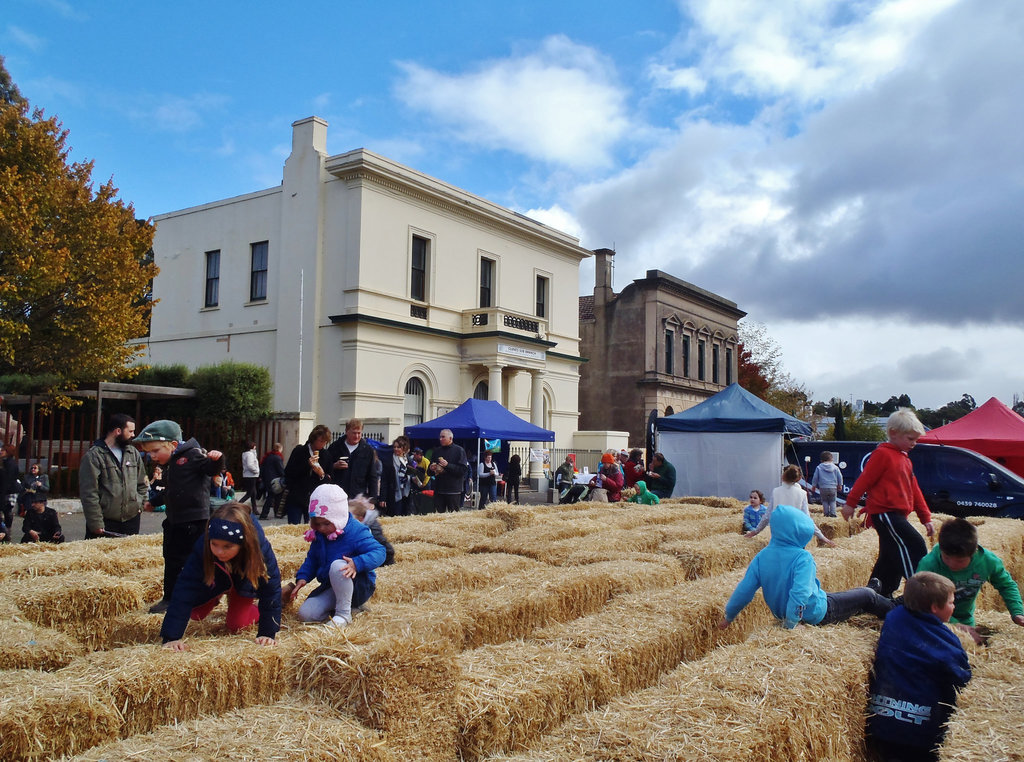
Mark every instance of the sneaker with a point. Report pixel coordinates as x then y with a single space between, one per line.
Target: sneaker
160 606
364 609
875 584
338 622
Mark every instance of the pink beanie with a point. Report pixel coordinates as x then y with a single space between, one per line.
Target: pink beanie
330 502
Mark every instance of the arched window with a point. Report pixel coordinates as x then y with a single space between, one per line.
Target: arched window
481 391
669 410
414 395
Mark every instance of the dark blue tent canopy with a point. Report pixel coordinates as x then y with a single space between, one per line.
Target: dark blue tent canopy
734 409
481 419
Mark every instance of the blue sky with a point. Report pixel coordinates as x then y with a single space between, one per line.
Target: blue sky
850 173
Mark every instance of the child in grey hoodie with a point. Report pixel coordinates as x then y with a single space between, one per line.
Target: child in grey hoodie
828 480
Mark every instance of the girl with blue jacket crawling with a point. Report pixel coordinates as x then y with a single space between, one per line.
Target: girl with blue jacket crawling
233 556
788 577
342 558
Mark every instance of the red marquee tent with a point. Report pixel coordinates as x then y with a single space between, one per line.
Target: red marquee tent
993 429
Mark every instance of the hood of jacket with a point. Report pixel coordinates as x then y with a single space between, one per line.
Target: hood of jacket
791 528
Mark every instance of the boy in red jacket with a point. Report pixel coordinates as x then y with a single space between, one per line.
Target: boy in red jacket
888 478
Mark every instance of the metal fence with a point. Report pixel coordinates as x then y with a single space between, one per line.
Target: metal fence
58 440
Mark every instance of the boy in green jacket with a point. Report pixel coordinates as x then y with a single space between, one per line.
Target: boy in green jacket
959 558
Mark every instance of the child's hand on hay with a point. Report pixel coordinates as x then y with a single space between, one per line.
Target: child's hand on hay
265 641
831 543
1018 619
175 645
930 529
292 589
724 624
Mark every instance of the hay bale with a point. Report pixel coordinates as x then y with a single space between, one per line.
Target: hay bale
532 540
460 530
715 709
74 602
530 600
509 695
723 504
514 692
559 552
153 686
987 720
513 516
290 729
700 558
403 584
632 572
401 686
45 715
415 551
24 645
700 529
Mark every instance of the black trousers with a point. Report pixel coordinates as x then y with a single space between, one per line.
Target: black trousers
447 503
131 526
179 539
900 548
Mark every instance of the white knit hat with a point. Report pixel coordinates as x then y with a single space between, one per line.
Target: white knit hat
330 502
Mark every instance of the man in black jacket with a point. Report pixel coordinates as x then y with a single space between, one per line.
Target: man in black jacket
448 467
350 462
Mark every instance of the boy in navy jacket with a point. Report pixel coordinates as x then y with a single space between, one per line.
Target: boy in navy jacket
919 667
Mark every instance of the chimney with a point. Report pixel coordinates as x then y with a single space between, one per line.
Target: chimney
310 132
604 265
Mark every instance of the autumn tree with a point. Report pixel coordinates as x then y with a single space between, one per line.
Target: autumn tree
74 270
760 371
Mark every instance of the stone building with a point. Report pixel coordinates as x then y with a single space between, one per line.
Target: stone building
662 344
371 290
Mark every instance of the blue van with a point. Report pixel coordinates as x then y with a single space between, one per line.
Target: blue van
955 481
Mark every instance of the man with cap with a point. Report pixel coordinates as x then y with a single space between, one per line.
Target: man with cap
188 470
41 523
112 481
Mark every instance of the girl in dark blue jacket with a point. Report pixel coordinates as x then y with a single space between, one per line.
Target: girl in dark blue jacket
233 556
342 558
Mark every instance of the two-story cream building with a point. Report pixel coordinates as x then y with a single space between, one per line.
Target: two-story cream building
371 290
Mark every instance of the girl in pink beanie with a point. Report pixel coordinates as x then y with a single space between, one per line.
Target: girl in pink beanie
342 557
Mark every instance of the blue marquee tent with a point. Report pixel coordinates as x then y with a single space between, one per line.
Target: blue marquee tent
727 445
481 419
734 409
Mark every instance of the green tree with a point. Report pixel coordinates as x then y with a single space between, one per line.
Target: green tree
74 276
948 413
9 93
857 428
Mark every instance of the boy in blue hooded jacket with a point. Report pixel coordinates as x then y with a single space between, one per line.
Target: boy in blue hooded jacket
788 577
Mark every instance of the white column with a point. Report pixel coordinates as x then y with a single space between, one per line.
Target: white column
494 381
537 419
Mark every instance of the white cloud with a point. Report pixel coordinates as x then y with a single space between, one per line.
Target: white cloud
321 102
175 113
557 218
804 49
902 197
668 78
876 358
24 38
560 104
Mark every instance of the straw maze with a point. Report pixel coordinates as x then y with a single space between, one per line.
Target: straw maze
543 633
